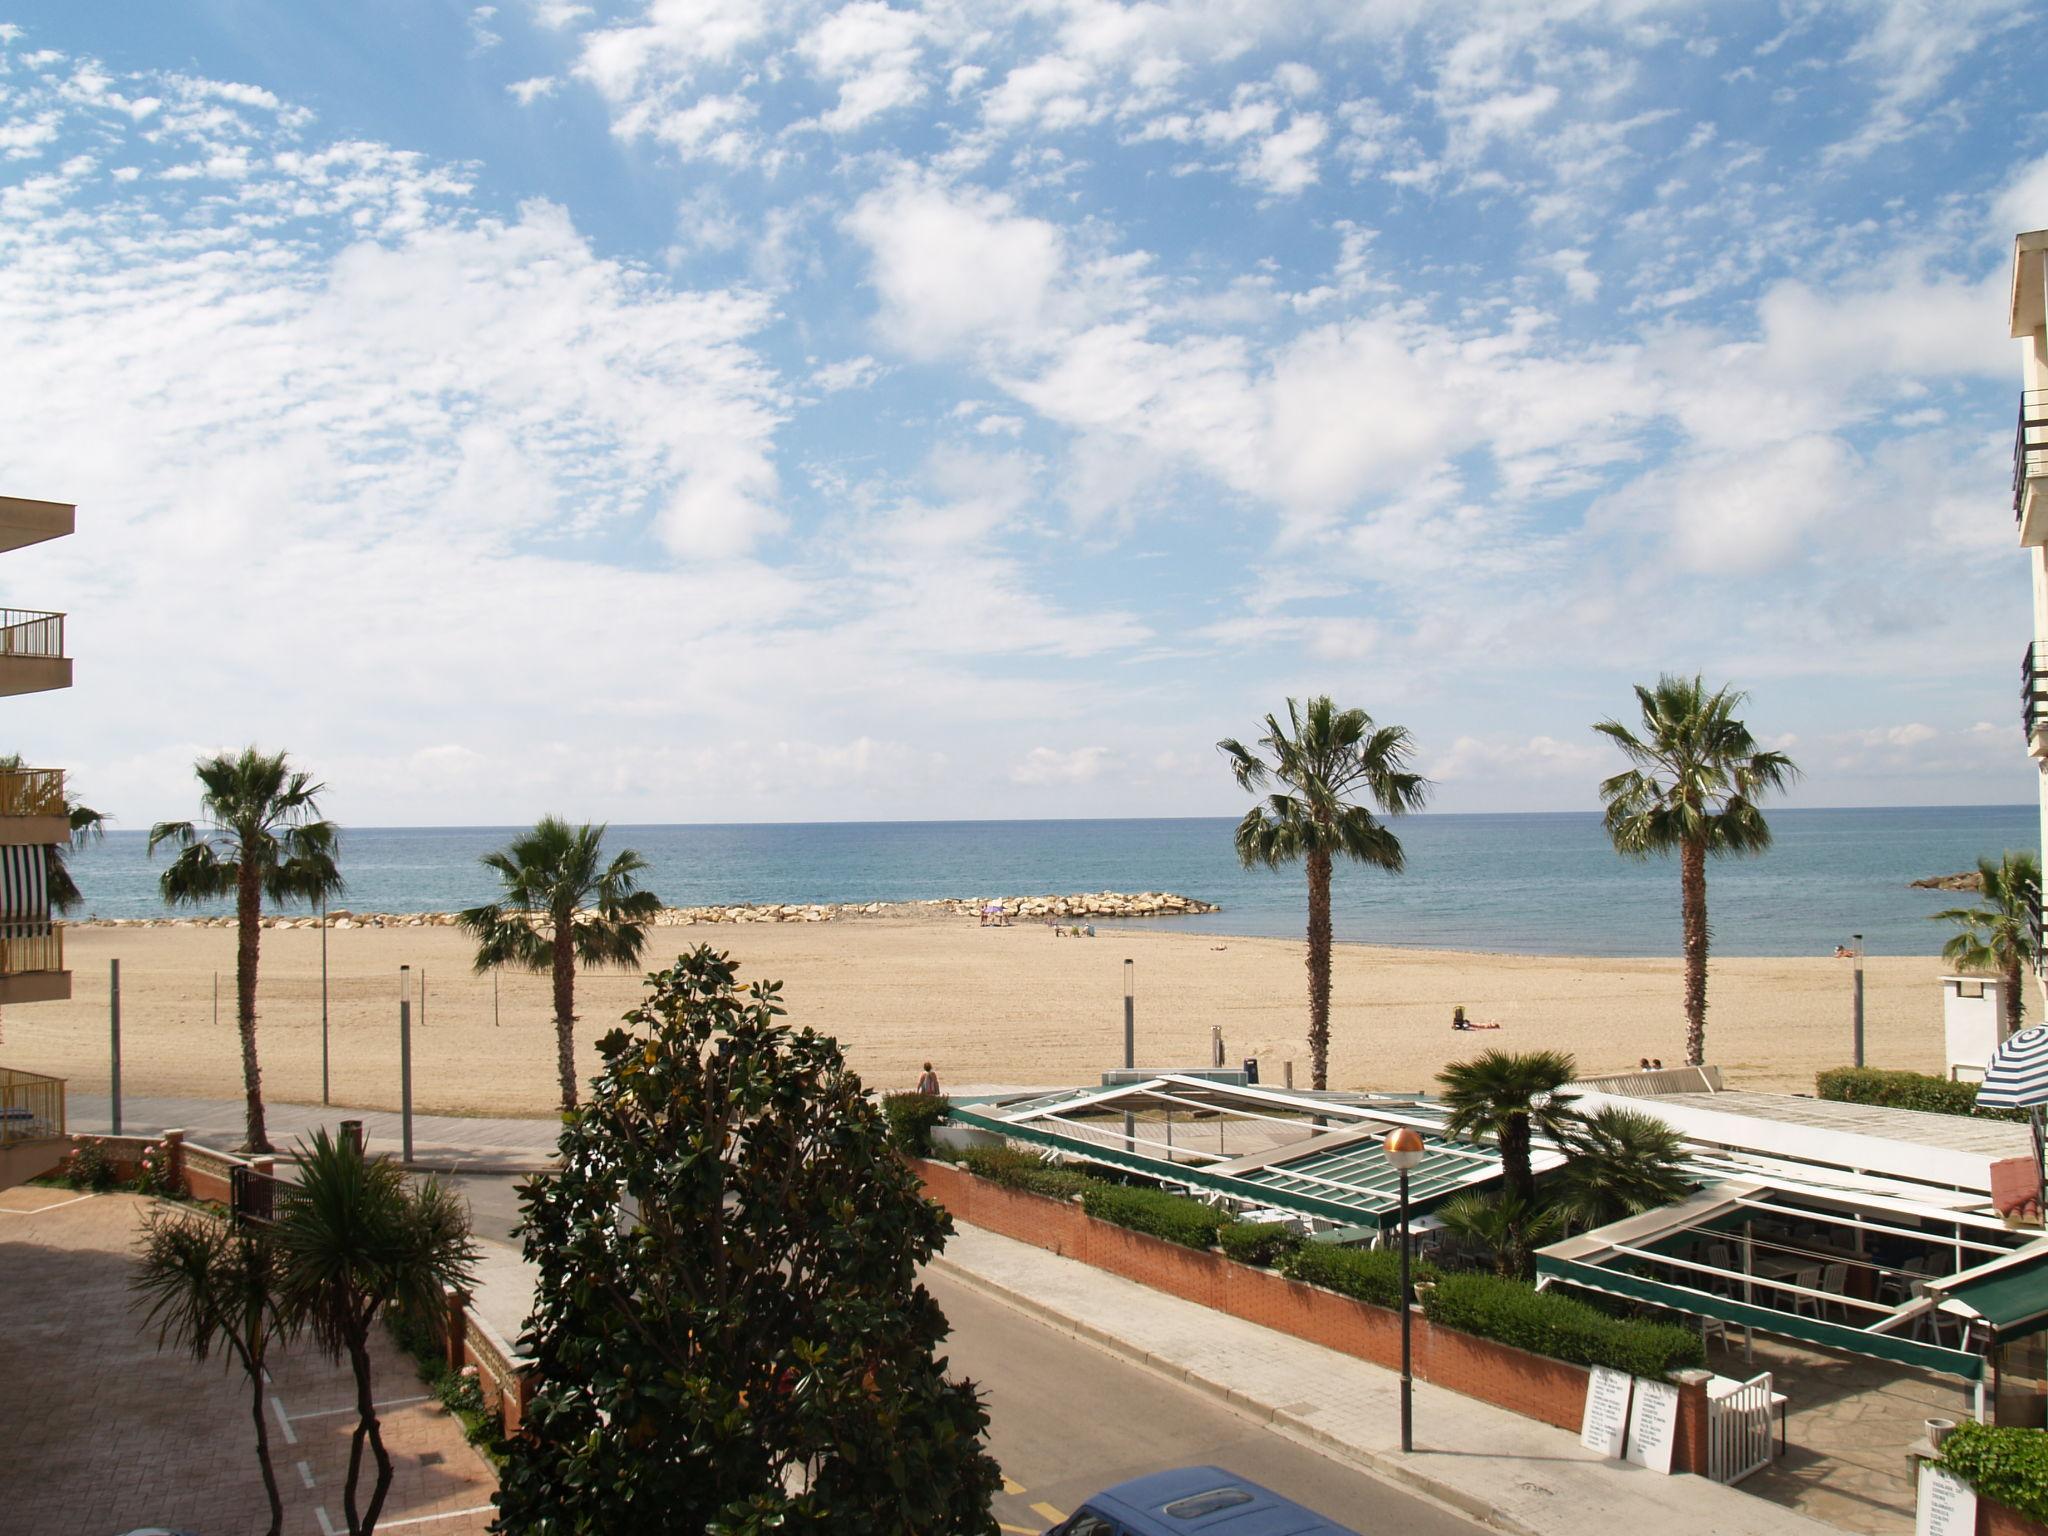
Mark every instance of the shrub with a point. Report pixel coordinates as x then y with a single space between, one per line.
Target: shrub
1262 1243
154 1174
1906 1090
89 1167
911 1118
2006 1463
1176 1218
1014 1168
1562 1327
1367 1274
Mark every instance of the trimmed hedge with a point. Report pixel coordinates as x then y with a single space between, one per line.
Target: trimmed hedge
1014 1168
1562 1327
1367 1274
1262 1243
1176 1218
911 1118
2008 1464
1906 1090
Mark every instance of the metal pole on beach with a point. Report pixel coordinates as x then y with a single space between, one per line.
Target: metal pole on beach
1130 1043
405 1059
1856 987
324 1099
114 1031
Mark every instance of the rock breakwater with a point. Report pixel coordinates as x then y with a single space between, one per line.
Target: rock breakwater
1092 904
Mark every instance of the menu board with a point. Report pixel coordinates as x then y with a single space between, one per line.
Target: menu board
1606 1418
1948 1505
1653 1424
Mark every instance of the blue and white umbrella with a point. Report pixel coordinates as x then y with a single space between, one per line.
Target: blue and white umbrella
2016 1077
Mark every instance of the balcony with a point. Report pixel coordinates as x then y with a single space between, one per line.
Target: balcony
32 812
24 522
2030 468
31 1125
2034 698
32 964
32 655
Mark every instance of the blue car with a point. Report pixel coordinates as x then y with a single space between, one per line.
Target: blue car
1194 1500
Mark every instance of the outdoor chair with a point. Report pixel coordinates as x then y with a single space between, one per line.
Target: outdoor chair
1713 1327
1808 1306
1834 1279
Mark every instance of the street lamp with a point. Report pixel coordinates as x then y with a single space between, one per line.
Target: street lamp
1404 1151
1130 1044
1856 999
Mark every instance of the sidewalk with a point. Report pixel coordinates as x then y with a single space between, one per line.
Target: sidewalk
440 1143
1500 1468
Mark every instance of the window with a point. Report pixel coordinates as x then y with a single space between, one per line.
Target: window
1197 1505
1086 1522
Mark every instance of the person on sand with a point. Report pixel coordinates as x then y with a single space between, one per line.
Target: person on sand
1657 1064
1458 1018
928 1084
1643 1065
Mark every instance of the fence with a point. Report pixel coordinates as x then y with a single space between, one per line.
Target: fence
28 947
32 792
31 1106
1739 1429
30 632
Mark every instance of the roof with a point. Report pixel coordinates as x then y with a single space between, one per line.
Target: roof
2026 310
1263 1513
2010 1295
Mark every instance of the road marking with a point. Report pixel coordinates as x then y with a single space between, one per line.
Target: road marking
389 1402
284 1420
1018 1530
10 1211
1048 1512
1011 1487
446 1514
306 1474
327 1526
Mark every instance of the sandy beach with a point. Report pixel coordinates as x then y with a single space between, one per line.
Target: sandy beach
1008 1005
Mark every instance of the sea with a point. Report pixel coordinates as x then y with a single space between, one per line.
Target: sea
1515 883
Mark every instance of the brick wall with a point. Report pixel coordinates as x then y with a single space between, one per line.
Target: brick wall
1552 1391
1997 1520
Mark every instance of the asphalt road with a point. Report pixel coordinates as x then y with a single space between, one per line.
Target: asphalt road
1067 1418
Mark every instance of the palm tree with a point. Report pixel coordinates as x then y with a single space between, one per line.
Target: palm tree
1507 1228
262 836
1997 935
355 1236
1509 1097
87 826
1324 757
562 906
208 1286
1694 787
1620 1162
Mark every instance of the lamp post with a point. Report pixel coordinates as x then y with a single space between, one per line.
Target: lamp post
1856 991
1404 1151
1130 1043
324 1099
405 1059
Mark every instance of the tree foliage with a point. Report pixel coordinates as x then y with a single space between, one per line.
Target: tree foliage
1620 1162
1997 935
728 1329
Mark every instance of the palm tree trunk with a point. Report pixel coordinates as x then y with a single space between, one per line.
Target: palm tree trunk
255 1370
366 1427
2015 999
1319 969
249 924
1516 1173
565 1008
1692 877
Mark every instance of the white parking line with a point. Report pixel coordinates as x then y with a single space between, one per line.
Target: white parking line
327 1525
284 1420
306 1474
446 1514
5 1211
389 1402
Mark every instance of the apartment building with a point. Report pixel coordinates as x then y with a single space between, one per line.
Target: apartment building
33 818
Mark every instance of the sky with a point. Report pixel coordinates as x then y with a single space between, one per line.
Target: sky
740 410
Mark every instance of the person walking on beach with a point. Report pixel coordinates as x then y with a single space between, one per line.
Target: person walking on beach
928 1084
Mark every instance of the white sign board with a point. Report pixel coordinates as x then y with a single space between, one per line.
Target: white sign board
1606 1411
1653 1424
1948 1505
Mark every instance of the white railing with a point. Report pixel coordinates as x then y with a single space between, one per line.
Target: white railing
1739 1429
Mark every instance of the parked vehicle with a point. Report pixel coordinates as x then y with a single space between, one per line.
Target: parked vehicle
1194 1501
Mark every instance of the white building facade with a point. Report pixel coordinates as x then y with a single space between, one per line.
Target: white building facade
2029 316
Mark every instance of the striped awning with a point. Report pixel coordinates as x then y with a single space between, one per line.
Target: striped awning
2016 1077
24 889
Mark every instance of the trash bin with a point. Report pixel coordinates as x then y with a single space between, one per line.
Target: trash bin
1251 1071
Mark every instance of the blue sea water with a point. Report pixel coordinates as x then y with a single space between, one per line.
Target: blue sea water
1528 884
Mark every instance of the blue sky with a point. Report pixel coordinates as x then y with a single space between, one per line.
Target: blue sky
692 410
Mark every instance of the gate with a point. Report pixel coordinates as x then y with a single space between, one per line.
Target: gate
1739 1429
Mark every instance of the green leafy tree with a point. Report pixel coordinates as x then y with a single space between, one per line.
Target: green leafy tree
562 906
728 1329
1506 1097
1693 789
1620 1162
1328 762
208 1287
261 835
1997 935
355 1236
1505 1227
87 826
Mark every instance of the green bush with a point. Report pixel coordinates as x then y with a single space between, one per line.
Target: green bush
2006 1463
911 1117
1014 1168
1368 1274
1262 1243
1176 1218
1562 1327
89 1167
1906 1090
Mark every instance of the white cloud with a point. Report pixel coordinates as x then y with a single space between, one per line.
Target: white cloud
872 51
527 92
1081 765
847 373
556 15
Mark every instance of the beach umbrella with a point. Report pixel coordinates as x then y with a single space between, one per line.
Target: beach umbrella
2016 1077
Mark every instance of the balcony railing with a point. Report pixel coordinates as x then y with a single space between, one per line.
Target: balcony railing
2034 690
28 632
32 792
31 1106
30 946
2029 445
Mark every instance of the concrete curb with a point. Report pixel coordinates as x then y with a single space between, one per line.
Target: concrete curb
1389 1469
